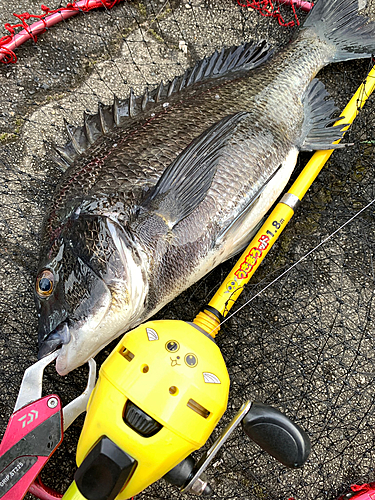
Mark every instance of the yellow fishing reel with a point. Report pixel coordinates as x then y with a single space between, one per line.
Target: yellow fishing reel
159 396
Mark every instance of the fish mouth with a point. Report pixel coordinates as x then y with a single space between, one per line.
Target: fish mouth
54 340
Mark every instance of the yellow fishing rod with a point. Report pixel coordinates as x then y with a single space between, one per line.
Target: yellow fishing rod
163 389
266 237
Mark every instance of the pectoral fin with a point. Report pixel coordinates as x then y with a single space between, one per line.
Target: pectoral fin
184 184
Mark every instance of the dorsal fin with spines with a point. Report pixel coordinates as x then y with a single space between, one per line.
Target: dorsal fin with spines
241 58
172 86
159 91
145 99
106 117
132 104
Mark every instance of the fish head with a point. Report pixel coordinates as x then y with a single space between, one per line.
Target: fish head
89 289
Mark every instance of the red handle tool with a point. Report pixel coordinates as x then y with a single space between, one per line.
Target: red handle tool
35 430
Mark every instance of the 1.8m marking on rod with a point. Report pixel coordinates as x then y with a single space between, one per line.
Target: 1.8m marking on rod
277 226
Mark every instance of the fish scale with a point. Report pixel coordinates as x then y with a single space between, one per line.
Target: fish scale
130 158
160 188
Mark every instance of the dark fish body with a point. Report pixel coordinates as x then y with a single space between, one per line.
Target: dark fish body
180 179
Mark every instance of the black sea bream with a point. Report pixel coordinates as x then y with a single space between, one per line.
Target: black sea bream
159 189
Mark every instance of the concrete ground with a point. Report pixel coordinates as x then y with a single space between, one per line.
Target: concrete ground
304 345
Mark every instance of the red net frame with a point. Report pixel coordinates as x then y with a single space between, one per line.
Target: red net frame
49 18
45 20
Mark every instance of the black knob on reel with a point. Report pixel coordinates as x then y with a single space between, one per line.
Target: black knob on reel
275 433
104 471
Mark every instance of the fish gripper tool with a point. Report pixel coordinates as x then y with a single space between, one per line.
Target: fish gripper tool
36 429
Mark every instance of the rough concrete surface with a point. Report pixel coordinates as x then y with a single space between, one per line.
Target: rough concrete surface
304 345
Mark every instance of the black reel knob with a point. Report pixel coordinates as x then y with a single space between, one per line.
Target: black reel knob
104 471
275 433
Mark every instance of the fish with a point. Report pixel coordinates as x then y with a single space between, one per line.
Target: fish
160 188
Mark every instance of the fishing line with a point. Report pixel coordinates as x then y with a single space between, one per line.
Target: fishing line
323 242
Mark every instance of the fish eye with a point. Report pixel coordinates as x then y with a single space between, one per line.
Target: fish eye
44 283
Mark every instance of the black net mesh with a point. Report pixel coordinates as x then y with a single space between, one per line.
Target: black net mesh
305 344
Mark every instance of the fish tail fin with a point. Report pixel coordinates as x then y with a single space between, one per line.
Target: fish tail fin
338 23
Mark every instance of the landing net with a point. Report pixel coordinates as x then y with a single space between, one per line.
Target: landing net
306 344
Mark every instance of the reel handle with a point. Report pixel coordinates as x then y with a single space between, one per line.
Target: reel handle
275 433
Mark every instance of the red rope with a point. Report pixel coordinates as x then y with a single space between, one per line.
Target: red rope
267 8
49 18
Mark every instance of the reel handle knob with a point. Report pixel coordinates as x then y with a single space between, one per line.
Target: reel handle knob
275 433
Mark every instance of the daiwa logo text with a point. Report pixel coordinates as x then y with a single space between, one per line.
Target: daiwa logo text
33 415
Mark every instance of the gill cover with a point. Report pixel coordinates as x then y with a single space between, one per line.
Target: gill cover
158 398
